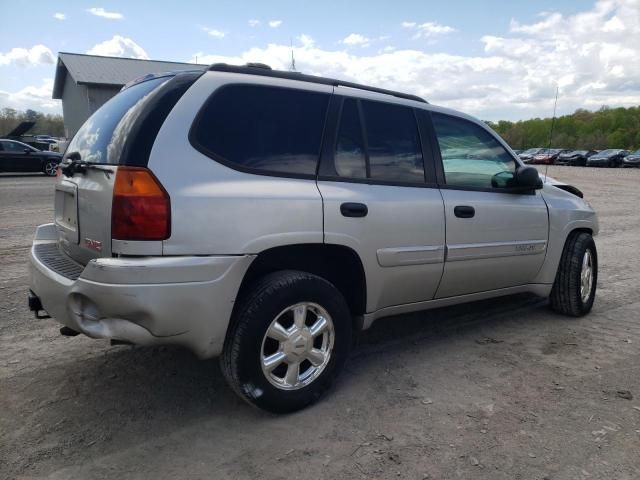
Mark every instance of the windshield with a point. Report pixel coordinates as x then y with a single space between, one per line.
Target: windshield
96 139
531 151
604 153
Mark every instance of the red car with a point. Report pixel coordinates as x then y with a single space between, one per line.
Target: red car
547 156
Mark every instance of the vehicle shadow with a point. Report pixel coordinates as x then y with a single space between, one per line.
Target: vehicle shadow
119 396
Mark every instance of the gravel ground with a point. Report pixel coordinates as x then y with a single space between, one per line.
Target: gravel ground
501 389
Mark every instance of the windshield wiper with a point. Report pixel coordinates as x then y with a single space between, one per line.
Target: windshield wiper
76 165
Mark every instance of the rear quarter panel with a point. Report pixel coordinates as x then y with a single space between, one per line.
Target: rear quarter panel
218 210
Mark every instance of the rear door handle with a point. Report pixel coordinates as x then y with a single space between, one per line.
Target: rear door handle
464 211
351 209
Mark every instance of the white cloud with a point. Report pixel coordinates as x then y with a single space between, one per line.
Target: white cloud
275 23
408 24
590 56
430 29
356 39
36 97
119 46
36 55
101 12
253 22
214 32
59 16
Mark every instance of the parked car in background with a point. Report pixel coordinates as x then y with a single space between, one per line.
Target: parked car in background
632 160
518 152
19 157
547 156
278 235
528 154
612 157
575 158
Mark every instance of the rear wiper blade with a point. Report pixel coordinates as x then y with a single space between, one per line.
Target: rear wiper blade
76 165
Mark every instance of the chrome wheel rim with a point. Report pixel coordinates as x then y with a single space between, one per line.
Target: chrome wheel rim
297 346
50 168
586 276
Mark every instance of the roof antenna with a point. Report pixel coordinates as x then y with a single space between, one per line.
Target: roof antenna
292 67
553 121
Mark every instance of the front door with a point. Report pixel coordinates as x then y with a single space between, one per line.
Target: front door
495 239
378 202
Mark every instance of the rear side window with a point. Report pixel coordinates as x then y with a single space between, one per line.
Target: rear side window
266 129
95 139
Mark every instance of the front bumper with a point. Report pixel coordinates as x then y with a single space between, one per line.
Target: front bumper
143 300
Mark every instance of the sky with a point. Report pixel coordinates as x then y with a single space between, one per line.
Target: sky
495 59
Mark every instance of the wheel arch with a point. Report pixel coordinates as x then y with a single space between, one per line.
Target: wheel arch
338 264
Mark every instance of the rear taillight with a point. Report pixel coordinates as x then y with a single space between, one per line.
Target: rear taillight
141 207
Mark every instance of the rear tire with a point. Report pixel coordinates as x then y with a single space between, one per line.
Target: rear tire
574 288
272 358
50 168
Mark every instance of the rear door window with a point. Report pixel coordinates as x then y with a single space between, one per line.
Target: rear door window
390 150
393 143
263 129
350 157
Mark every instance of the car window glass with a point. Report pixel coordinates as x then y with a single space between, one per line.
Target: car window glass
13 147
350 160
393 143
264 128
471 156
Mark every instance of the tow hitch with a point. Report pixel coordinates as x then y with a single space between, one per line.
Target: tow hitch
35 305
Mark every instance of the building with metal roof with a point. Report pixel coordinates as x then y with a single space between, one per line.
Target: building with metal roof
85 82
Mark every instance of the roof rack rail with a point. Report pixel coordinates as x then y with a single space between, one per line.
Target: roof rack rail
265 70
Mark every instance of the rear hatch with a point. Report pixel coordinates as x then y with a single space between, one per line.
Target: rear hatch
120 133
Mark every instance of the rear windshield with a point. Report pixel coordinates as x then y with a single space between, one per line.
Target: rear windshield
100 138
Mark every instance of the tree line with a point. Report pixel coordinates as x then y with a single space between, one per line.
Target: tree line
599 130
46 124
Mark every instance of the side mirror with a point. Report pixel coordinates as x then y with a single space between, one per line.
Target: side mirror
26 150
527 178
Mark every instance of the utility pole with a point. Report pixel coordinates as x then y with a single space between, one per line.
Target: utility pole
292 67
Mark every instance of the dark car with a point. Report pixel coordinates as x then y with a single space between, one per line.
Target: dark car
528 154
547 156
19 157
575 158
607 158
632 160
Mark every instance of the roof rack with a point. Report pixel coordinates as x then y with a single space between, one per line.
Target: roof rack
267 71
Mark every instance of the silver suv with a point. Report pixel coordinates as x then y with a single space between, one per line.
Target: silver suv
267 217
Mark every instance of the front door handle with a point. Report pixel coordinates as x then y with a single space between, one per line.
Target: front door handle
351 209
464 211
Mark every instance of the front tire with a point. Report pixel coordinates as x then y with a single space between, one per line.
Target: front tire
574 288
50 168
289 338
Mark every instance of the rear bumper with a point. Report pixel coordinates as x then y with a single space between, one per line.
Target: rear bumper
144 300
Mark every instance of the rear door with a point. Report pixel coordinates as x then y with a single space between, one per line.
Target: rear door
377 200
494 239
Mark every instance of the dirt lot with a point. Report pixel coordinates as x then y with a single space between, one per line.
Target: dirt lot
503 389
